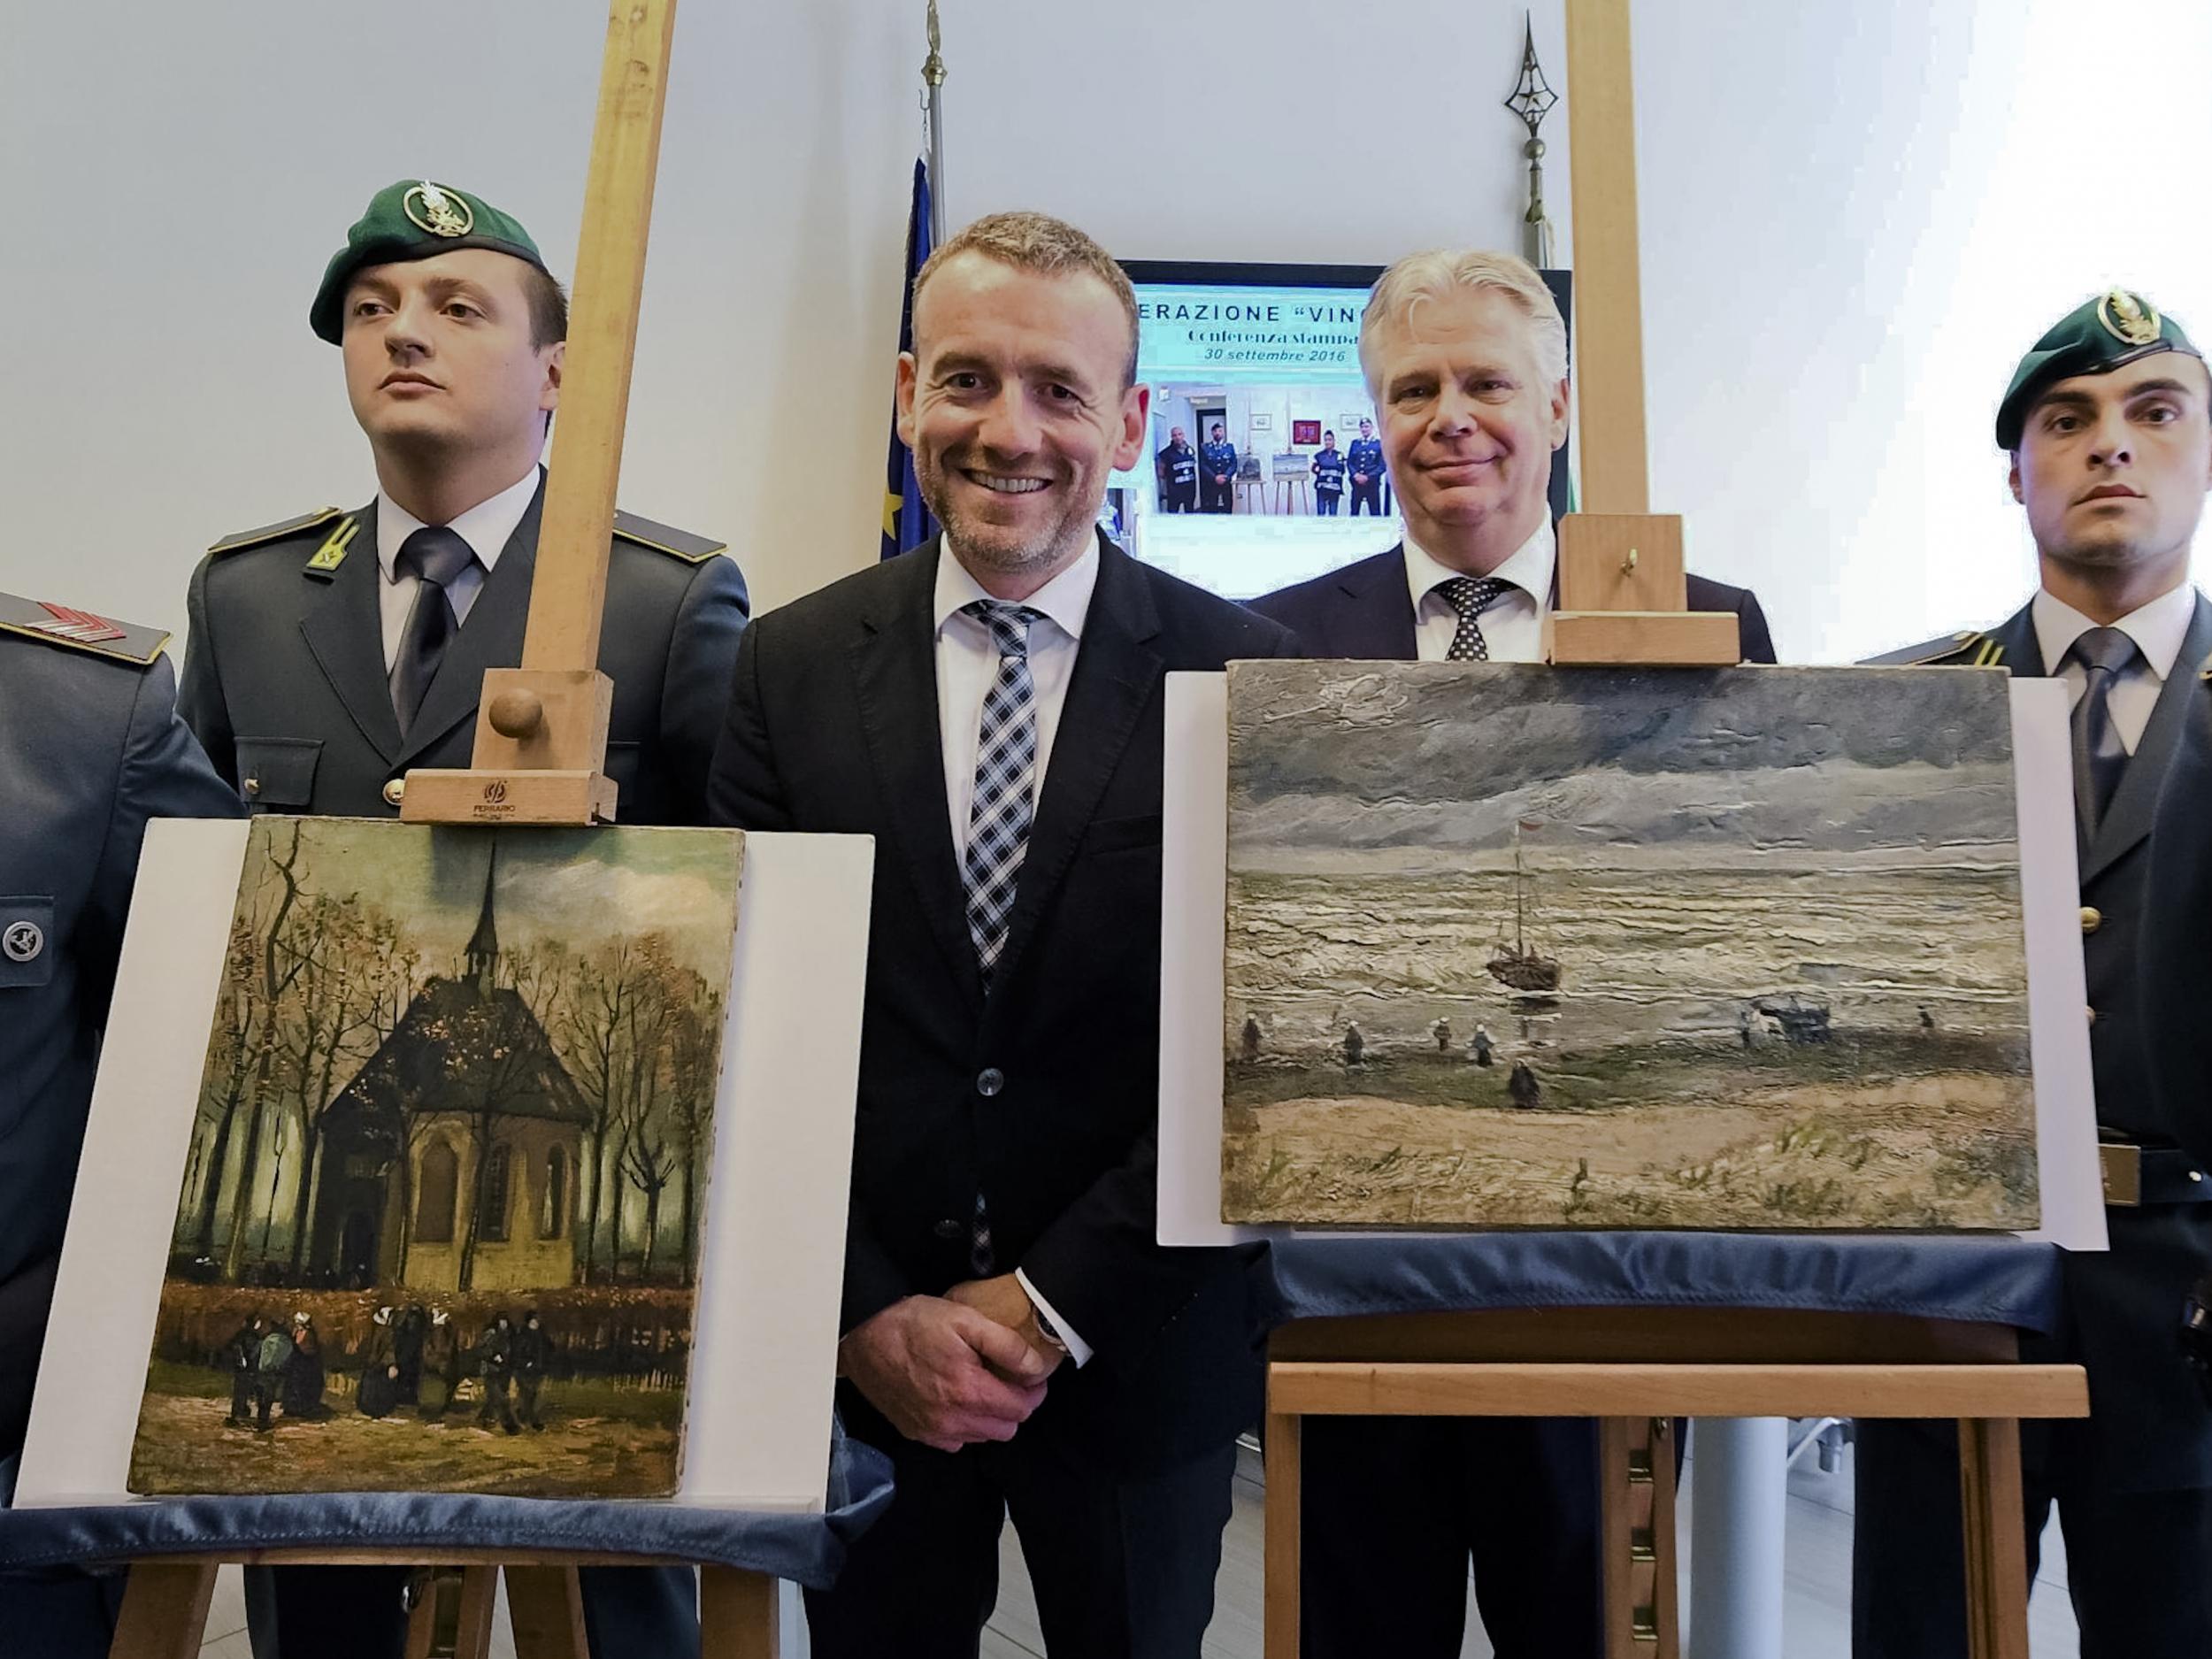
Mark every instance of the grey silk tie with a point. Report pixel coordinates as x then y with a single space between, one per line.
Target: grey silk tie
436 554
2099 757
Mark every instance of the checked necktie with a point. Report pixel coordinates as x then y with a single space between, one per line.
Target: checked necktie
1005 769
1471 598
2099 757
437 555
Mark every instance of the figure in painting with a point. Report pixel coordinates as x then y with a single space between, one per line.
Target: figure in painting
303 1375
531 1351
1479 1046
271 1358
1521 1084
1442 1032
1251 1039
496 1354
240 1355
1355 1045
407 1342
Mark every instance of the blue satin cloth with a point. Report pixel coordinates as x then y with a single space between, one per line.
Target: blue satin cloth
1976 1279
809 1548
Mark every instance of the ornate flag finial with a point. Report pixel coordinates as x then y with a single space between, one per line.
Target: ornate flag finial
1531 99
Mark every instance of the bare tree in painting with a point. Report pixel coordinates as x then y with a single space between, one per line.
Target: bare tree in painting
237 1012
692 1044
277 969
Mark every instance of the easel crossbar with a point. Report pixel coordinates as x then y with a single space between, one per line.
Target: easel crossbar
1322 1388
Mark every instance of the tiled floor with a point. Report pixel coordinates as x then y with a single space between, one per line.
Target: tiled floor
1816 1596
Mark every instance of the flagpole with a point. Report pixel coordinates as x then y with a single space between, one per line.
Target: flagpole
933 78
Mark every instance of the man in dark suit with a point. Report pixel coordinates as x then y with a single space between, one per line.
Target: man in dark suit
330 654
90 748
1471 386
990 708
2106 424
2176 960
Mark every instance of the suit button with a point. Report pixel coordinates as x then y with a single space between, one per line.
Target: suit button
990 1081
395 791
253 788
2092 1012
947 1229
2091 918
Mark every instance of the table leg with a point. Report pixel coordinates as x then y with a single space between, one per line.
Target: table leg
1280 1525
1636 1537
1741 1479
545 1609
738 1614
451 1617
1996 1544
165 1611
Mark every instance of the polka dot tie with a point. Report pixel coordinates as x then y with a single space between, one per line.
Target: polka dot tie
1471 597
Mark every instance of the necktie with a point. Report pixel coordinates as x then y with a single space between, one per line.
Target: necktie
2099 757
436 555
1471 597
1005 766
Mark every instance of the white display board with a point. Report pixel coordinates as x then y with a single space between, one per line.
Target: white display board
1194 891
757 1417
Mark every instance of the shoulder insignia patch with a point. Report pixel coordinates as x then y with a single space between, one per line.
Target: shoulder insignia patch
269 533
693 549
1965 648
332 553
80 630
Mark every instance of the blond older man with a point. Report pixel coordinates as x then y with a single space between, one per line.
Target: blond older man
1465 355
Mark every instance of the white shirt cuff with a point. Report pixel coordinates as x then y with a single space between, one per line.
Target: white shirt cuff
1078 1351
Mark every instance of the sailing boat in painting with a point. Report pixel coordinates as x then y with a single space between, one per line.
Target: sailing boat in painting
1520 964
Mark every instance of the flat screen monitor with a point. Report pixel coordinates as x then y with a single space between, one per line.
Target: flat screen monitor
1256 379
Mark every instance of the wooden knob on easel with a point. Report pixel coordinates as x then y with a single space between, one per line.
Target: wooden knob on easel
517 714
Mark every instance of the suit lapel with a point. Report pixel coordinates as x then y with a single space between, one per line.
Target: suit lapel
344 630
2128 819
491 637
894 674
2017 646
1116 672
1380 622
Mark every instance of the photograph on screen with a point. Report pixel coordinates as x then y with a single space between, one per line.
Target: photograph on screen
1263 464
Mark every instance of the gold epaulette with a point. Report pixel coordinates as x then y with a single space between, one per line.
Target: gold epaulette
269 533
1965 648
681 544
80 630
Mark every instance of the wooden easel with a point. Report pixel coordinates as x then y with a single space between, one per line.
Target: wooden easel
1623 600
540 758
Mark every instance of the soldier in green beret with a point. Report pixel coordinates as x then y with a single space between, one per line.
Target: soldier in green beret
330 653
2108 423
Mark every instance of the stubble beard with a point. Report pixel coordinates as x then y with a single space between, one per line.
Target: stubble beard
990 548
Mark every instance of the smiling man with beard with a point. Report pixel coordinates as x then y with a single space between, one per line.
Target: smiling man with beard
989 707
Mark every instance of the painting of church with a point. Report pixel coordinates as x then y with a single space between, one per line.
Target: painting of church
450 1162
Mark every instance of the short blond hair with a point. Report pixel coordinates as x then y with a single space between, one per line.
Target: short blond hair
1436 275
1046 246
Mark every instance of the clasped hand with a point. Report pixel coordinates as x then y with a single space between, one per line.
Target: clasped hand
952 1369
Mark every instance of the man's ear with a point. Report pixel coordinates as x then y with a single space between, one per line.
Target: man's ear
902 397
555 360
1136 413
2012 479
1561 400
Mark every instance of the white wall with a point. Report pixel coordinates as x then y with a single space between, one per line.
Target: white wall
1855 218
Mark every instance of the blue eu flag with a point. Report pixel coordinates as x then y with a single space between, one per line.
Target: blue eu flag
906 523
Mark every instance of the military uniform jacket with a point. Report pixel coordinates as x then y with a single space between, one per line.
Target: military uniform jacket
1365 458
2176 954
1177 466
1221 460
90 748
2149 1429
284 678
1045 1093
1328 472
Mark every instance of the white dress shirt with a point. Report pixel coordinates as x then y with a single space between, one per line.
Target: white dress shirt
967 666
2157 628
485 528
1512 628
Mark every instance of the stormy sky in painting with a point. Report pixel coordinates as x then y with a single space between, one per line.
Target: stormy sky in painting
567 884
1336 760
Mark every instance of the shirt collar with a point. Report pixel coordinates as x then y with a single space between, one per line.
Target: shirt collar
2157 628
1528 568
1064 600
486 526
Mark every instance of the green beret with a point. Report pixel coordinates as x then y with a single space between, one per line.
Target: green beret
2094 338
413 219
